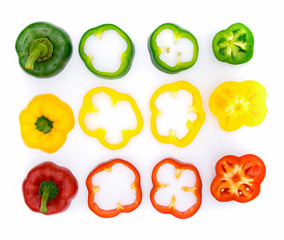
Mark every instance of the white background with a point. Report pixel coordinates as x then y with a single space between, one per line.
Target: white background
81 153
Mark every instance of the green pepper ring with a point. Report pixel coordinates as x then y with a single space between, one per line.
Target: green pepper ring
155 51
246 51
126 57
62 48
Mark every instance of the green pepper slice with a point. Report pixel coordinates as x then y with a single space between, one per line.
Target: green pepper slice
126 56
160 51
43 49
234 45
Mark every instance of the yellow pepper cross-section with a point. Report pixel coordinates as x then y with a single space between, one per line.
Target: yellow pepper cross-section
192 126
45 123
100 133
238 103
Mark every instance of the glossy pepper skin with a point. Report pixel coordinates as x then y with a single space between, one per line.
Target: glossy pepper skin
45 123
126 57
238 178
155 50
238 103
192 126
37 188
234 45
43 49
100 133
93 189
196 190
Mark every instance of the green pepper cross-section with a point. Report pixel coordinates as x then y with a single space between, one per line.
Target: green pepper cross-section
166 55
234 45
43 49
126 56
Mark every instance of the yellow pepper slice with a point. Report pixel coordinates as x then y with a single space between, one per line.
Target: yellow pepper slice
238 103
193 126
45 123
100 133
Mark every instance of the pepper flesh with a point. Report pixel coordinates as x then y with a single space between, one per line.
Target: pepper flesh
43 49
126 56
49 172
100 133
155 50
92 190
238 178
234 45
192 126
238 103
45 123
196 190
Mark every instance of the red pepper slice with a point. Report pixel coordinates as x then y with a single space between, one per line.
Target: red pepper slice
93 189
238 178
196 189
49 188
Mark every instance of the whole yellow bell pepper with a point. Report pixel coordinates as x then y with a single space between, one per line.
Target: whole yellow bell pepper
45 123
193 126
238 103
100 133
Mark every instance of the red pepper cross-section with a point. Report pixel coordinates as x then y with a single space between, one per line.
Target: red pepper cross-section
196 189
93 189
238 178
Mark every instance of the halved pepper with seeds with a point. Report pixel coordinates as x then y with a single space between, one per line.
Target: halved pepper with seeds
234 45
238 178
45 123
172 48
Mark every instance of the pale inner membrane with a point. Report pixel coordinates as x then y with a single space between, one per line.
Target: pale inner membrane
175 112
174 50
183 200
105 50
114 187
112 118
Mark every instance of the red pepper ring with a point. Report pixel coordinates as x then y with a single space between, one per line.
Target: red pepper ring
49 188
238 178
196 190
92 190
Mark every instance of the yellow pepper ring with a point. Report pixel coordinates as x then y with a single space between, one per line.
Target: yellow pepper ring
192 126
238 103
100 133
45 123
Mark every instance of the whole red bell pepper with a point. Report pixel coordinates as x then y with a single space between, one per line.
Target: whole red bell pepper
93 189
49 188
238 178
196 189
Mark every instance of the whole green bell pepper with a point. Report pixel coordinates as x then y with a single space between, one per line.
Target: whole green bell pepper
43 49
234 45
126 57
156 49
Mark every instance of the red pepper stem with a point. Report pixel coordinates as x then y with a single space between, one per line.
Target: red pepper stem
47 190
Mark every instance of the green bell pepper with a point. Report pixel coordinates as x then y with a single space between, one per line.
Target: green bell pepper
234 45
43 49
182 61
126 57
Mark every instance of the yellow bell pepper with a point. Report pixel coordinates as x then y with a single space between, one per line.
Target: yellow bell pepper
238 103
45 123
193 126
100 133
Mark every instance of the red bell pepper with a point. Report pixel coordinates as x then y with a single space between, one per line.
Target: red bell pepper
49 188
238 178
196 189
93 189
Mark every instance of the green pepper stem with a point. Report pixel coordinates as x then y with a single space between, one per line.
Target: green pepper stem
43 124
38 51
